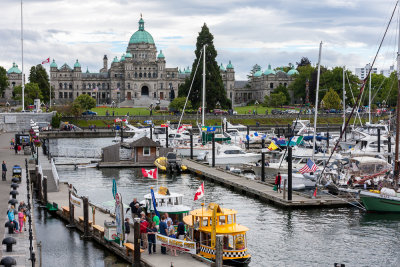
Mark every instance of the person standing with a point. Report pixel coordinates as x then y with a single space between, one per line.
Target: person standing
21 218
163 231
181 231
278 179
16 148
132 205
127 229
156 220
143 232
4 170
151 236
171 234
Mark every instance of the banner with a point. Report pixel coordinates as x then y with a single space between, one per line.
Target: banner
119 216
178 244
76 201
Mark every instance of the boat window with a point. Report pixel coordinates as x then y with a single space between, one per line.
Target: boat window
240 242
230 152
303 160
176 201
170 201
205 221
222 220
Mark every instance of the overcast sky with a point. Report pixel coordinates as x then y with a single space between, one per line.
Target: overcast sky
245 31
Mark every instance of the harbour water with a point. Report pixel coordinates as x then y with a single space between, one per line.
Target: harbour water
315 237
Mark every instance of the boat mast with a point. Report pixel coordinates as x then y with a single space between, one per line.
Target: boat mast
396 147
316 101
204 86
369 96
344 97
22 53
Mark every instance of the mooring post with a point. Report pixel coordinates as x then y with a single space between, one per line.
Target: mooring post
248 137
288 130
379 140
289 159
262 160
213 149
39 186
122 134
191 145
71 208
284 188
86 233
151 131
218 251
279 131
166 137
327 140
45 190
136 252
389 149
226 126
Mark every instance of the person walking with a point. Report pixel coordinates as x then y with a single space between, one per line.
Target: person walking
21 218
151 237
163 231
278 179
4 170
127 229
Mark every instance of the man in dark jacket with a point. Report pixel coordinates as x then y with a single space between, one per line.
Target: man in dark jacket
163 231
4 170
132 205
127 229
181 231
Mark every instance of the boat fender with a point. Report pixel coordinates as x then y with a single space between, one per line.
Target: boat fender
388 192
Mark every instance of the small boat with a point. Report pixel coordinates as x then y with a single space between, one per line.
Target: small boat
170 163
205 224
386 200
230 154
84 166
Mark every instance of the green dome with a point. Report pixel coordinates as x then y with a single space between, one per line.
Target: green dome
53 64
115 60
122 58
269 70
187 70
280 70
14 69
161 55
221 67
293 71
258 73
128 55
141 36
229 66
77 64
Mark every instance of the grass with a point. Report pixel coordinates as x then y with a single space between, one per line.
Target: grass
101 111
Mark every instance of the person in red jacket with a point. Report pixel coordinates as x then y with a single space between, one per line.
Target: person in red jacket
278 179
143 231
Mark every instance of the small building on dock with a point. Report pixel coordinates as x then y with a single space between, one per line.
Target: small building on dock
144 150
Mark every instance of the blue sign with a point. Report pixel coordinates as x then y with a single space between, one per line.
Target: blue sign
114 188
148 122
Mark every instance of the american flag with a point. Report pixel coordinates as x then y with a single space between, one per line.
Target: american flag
309 167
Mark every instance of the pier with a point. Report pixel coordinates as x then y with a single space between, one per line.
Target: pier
260 190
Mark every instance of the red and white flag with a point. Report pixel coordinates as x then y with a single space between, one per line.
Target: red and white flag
46 61
200 192
152 173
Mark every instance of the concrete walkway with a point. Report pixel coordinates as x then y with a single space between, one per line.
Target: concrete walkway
21 249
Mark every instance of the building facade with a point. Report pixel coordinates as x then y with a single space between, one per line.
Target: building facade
363 72
14 75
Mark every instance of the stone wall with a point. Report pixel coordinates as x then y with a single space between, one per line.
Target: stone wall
16 122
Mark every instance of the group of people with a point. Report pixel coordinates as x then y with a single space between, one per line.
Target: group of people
150 225
18 218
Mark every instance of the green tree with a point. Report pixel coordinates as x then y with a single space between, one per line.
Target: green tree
388 93
304 61
266 101
39 75
31 92
215 91
85 101
332 100
277 99
298 86
3 80
76 109
282 89
255 68
179 102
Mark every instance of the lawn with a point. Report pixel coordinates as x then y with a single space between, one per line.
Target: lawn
101 111
260 109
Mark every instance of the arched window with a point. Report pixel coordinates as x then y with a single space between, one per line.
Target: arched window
173 75
140 75
271 85
144 75
89 86
154 75
149 75
129 75
129 86
65 86
285 84
83 85
135 74
103 86
70 86
60 85
155 95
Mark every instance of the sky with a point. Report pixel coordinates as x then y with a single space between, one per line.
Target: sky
247 32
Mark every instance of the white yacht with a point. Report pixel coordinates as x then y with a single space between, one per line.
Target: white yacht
231 154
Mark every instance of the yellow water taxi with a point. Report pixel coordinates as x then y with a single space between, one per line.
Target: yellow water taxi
206 223
170 163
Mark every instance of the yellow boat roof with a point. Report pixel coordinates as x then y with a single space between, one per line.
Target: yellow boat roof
221 229
205 212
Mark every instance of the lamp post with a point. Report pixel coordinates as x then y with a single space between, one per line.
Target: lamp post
7 105
256 103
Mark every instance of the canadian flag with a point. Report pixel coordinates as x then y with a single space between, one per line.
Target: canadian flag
200 192
46 61
150 173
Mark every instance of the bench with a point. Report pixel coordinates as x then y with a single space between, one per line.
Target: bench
131 247
81 220
98 230
52 207
65 211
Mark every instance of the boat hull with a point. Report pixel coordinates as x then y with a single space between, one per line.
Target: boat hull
380 204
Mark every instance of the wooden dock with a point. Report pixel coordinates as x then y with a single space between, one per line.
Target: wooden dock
125 164
261 190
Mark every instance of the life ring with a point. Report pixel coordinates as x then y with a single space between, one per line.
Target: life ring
114 236
239 243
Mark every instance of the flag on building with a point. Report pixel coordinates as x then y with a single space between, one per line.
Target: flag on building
46 61
272 146
200 192
152 173
117 120
309 167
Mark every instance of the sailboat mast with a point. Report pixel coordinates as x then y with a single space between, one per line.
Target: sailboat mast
316 101
344 97
369 95
22 57
204 86
396 147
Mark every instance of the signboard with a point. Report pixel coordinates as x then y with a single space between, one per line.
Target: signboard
119 216
265 150
178 244
148 122
208 128
76 201
10 119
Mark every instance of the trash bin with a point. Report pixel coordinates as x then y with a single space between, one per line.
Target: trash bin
27 150
110 231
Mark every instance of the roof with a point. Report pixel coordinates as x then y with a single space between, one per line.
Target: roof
144 141
240 84
122 57
115 60
53 64
269 70
141 36
161 55
14 69
258 73
128 55
221 67
77 64
292 71
229 66
65 66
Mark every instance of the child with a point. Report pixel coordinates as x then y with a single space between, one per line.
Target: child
21 219
172 235
151 236
127 229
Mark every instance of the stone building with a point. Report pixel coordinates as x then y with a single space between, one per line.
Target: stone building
14 75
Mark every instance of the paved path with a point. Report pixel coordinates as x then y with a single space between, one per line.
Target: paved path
21 249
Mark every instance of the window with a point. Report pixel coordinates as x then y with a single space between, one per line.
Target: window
271 85
65 85
144 75
135 74
70 95
140 75
65 94
77 94
60 95
173 75
129 86
146 151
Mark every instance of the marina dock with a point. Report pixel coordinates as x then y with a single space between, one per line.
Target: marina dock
261 190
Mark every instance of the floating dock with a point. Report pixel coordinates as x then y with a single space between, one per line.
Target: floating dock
261 190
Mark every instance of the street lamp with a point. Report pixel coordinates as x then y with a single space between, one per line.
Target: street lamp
7 105
256 103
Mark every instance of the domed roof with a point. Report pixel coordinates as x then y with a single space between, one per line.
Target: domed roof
269 70
53 64
141 36
280 70
188 70
122 58
229 66
14 69
221 67
77 64
128 55
115 60
87 70
292 71
161 55
258 73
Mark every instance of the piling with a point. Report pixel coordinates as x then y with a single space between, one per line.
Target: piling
71 208
379 140
136 244
45 190
151 131
262 161
248 137
213 149
86 230
191 145
327 140
122 134
218 251
289 173
166 136
389 149
284 188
